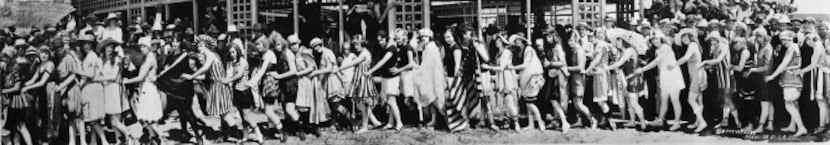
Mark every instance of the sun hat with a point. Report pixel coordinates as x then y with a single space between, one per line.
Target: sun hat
316 41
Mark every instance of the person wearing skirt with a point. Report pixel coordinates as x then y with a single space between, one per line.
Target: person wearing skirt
721 62
531 79
763 63
503 104
243 98
790 80
363 90
272 72
307 99
556 84
601 82
35 87
68 88
331 88
92 93
431 85
148 107
464 90
670 81
19 105
114 93
628 62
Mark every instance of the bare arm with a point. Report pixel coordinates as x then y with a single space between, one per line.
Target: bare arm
380 63
353 63
209 60
268 59
719 58
526 59
12 89
618 63
580 62
42 79
597 59
690 51
652 64
145 69
767 52
783 66
32 80
237 76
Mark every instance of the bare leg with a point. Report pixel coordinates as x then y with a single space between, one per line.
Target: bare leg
247 114
272 117
678 110
697 108
585 111
24 133
664 108
80 127
120 128
791 96
534 112
98 130
765 107
514 109
636 109
364 123
395 112
557 108
822 109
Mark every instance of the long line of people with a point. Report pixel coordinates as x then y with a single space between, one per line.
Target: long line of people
90 75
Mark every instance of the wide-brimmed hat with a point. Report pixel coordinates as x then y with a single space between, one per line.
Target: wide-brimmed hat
111 16
316 41
107 42
686 31
232 28
19 42
426 32
31 51
145 41
513 38
583 25
293 38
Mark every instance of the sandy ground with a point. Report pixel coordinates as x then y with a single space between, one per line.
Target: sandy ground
413 136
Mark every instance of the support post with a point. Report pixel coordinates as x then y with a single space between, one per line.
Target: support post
195 17
254 13
296 17
574 12
527 19
427 17
478 18
340 35
391 18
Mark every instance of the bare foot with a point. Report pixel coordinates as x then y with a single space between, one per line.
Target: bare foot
594 124
789 129
800 132
675 126
565 128
770 127
758 130
702 125
361 130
